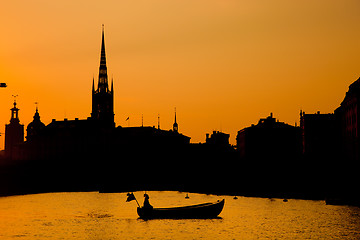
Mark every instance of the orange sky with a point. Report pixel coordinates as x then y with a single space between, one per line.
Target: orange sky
222 63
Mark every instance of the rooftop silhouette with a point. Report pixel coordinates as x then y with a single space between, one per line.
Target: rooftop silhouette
270 158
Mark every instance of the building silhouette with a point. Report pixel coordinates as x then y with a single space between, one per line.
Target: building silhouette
94 154
319 135
103 96
95 137
269 154
74 139
14 132
35 126
320 151
218 138
349 123
269 141
270 157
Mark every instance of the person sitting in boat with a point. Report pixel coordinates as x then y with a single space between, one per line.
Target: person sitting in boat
146 202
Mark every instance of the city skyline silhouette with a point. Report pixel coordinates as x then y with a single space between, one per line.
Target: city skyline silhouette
223 66
238 118
274 154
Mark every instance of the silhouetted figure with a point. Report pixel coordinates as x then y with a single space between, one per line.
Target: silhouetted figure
146 202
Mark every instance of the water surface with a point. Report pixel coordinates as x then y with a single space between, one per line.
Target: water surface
93 215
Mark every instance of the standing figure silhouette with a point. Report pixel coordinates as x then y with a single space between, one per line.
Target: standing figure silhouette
146 202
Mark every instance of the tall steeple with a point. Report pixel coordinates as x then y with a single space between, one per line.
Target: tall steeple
103 77
103 97
175 125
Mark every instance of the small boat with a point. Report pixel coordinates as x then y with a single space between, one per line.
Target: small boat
204 210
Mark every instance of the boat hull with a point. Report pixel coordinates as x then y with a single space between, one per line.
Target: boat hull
205 210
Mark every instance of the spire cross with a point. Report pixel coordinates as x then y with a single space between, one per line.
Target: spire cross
36 103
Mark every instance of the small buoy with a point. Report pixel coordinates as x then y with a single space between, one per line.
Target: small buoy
285 200
187 196
235 197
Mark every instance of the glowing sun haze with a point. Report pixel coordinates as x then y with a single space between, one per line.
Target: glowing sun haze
222 63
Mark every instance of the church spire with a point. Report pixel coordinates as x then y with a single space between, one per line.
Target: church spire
175 125
103 55
103 97
103 77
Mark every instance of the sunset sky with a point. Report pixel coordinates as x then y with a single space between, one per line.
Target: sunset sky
222 63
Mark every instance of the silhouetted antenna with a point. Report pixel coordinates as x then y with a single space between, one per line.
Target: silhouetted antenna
36 104
158 121
142 120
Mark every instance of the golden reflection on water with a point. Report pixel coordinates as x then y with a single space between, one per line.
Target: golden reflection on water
107 216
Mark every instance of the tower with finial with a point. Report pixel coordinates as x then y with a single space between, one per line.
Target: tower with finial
175 125
35 126
14 132
103 96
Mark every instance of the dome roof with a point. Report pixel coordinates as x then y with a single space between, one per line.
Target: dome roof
35 126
